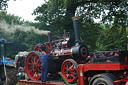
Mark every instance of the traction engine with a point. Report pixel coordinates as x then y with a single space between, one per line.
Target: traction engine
67 54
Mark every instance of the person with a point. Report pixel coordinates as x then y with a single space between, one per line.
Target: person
44 66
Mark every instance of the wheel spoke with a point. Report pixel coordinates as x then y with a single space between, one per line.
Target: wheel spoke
73 73
35 75
31 60
67 75
38 60
69 70
37 72
38 69
33 66
74 69
38 65
70 76
30 63
66 67
30 67
73 76
34 60
32 71
71 66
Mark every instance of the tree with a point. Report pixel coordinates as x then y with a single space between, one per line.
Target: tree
88 9
110 38
90 32
3 4
58 13
20 40
10 18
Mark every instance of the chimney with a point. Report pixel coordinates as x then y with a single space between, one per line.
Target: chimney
49 36
127 47
76 29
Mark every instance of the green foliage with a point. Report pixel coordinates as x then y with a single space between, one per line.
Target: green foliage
55 16
89 33
58 13
9 18
20 41
3 4
111 38
127 30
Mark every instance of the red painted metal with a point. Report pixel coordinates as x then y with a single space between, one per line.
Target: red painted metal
38 82
65 48
82 68
48 45
33 66
37 48
119 81
101 84
54 38
69 71
82 51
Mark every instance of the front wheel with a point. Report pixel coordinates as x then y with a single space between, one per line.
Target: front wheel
69 70
102 81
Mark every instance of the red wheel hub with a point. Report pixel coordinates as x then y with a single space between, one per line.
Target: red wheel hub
69 71
33 66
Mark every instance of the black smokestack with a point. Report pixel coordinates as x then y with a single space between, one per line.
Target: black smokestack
76 28
49 36
127 47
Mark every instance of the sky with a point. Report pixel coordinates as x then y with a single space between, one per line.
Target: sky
23 8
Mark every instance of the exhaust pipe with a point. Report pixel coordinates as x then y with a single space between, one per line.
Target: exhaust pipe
49 36
127 47
76 29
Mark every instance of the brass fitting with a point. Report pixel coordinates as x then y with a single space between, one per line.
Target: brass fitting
75 18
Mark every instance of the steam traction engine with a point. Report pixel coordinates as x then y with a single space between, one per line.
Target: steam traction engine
68 53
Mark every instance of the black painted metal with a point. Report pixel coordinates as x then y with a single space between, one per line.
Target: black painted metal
49 36
76 30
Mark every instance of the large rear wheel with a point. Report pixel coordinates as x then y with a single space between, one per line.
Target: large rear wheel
69 70
33 65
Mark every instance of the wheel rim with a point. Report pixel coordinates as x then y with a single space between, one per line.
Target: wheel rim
54 38
69 70
55 42
83 51
101 83
33 66
47 50
38 49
